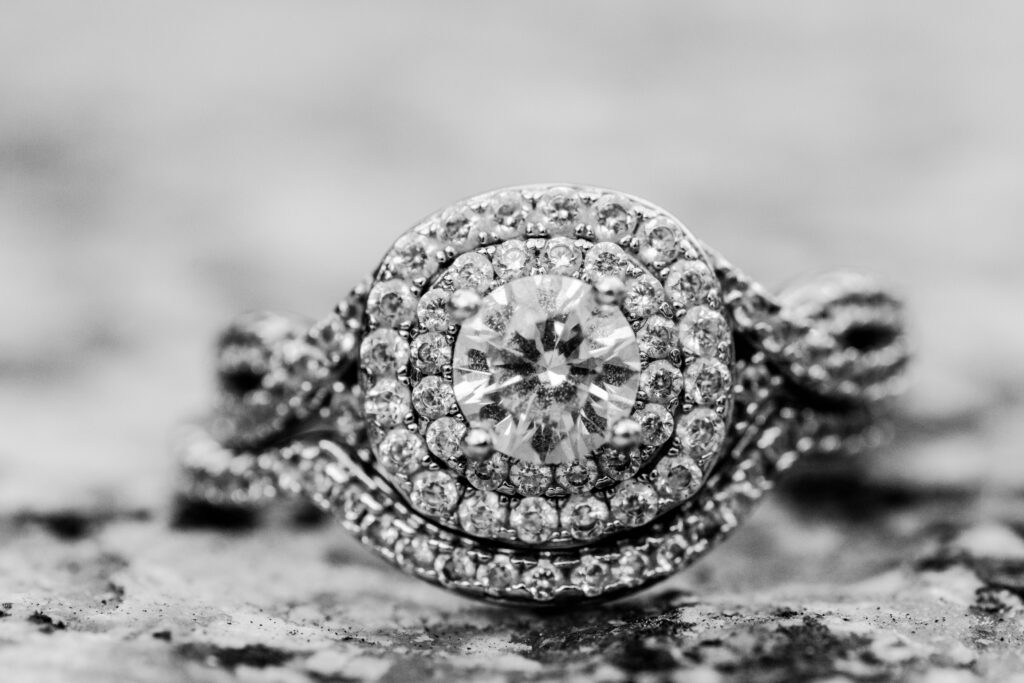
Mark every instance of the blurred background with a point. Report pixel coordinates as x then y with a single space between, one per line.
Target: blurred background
166 165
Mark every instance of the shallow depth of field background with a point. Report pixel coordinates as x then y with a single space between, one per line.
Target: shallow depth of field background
165 165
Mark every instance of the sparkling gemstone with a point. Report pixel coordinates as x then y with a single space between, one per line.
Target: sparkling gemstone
590 575
657 337
689 283
489 473
498 574
534 520
644 297
543 580
631 567
444 437
430 352
456 225
584 517
559 210
655 424
387 402
605 260
392 303
433 310
546 369
401 451
434 492
512 260
614 218
413 257
433 396
634 503
678 477
530 479
661 381
561 256
701 330
460 565
507 213
661 240
418 552
700 432
705 381
472 271
618 465
578 476
482 515
383 352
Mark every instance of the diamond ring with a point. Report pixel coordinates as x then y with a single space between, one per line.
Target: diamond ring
547 394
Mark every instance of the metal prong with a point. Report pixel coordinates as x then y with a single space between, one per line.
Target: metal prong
626 434
610 290
477 443
463 304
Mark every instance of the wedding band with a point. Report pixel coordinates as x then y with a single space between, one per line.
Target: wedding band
547 394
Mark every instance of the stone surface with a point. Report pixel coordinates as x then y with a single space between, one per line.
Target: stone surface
163 166
546 369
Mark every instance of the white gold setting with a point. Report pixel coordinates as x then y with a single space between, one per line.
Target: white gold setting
540 396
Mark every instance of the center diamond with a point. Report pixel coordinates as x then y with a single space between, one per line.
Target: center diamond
546 369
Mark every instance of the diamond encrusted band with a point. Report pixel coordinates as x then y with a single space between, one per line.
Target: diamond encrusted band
547 394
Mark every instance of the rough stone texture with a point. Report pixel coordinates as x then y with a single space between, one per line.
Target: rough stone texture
165 165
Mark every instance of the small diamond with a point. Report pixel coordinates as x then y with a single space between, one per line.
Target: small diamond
644 296
431 352
559 210
401 451
383 352
434 492
413 257
657 338
671 552
634 503
498 574
387 402
507 214
489 473
614 218
456 225
392 303
577 476
661 381
512 260
678 477
700 432
433 396
534 520
584 517
661 240
561 256
590 575
618 465
460 566
383 533
543 580
701 331
632 566
433 311
689 283
605 260
347 416
471 271
655 424
351 503
444 438
706 380
418 552
530 479
483 515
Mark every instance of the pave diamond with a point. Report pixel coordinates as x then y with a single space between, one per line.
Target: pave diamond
546 369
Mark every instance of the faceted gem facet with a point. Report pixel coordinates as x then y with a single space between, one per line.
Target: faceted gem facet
546 368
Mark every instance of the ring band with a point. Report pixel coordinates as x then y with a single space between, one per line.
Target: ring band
547 394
